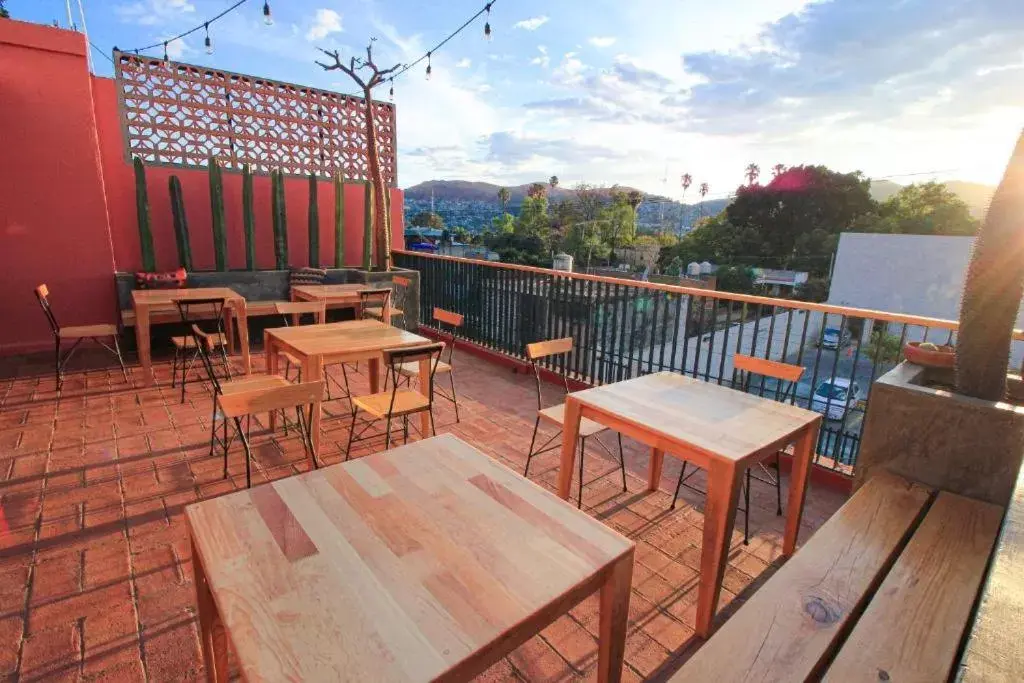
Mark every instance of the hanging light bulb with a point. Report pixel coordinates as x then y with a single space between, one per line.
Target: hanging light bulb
487 24
165 51
428 66
267 18
208 42
391 93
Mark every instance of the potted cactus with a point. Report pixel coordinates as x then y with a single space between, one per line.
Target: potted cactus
970 440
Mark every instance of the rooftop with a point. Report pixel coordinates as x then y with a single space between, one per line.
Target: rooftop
95 570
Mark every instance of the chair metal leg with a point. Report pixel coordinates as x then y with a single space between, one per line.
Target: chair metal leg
533 441
433 428
174 369
778 483
120 360
679 484
622 463
57 368
306 435
225 446
351 434
224 358
387 434
746 513
455 399
405 429
579 495
213 433
248 451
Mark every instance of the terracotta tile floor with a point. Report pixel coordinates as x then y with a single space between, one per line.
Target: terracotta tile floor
95 573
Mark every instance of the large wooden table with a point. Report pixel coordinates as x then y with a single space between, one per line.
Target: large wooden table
336 295
146 300
344 342
427 562
720 430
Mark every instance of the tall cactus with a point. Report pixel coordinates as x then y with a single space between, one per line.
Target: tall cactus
142 211
220 239
367 226
314 223
339 221
280 219
180 223
248 218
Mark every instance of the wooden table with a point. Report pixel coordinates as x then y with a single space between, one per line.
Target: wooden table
146 300
720 430
344 342
427 562
337 295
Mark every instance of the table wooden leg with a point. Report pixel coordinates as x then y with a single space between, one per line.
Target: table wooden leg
799 476
271 358
570 435
243 334
654 471
312 371
142 343
614 619
211 631
229 331
425 390
719 517
373 370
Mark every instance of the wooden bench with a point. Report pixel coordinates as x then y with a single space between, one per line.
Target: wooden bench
883 591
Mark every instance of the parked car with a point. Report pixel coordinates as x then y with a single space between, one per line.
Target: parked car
832 339
836 395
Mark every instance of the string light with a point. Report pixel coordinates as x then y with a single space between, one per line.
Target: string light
205 26
486 9
165 51
208 42
267 18
487 24
391 93
428 66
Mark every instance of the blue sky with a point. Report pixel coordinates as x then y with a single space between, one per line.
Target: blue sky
642 91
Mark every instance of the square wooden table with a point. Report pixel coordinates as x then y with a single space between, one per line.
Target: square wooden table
336 295
344 342
427 562
718 429
145 301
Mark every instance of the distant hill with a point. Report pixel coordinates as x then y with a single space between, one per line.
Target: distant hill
883 189
468 191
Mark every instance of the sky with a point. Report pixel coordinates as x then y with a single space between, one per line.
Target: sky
637 92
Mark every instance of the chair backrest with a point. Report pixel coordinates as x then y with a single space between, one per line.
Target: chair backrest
270 399
453 321
545 349
286 309
395 358
788 375
212 309
203 348
401 281
42 294
374 297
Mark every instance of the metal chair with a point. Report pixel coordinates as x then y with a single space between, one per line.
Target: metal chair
248 395
556 414
372 303
189 309
453 321
787 376
399 295
399 402
76 334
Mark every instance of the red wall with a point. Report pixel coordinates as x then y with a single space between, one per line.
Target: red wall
53 213
195 186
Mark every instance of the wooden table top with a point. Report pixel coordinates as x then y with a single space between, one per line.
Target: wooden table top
165 296
402 565
714 419
355 336
328 291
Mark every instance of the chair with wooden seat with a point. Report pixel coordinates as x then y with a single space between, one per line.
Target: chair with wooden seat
372 303
249 395
787 376
291 313
448 323
400 402
555 414
399 295
191 311
75 335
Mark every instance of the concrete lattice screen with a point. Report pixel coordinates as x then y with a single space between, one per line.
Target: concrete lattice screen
182 114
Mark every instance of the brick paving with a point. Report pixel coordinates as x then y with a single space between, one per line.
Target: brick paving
95 569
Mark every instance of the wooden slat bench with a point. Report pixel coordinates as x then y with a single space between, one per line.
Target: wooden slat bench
882 591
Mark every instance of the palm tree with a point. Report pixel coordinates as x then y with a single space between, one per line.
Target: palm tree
992 290
704 189
753 172
687 181
778 169
553 181
503 196
536 190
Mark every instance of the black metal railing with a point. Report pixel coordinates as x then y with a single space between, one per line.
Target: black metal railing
625 328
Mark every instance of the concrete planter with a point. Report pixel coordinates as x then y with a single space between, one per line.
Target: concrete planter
943 439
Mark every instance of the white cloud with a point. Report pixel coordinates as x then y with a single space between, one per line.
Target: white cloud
325 22
532 24
464 63
153 12
602 41
570 71
176 49
543 59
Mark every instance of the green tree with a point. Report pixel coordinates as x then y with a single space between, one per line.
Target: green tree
533 219
4 14
460 234
428 219
883 347
924 209
553 181
738 279
815 289
503 196
618 220
505 223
